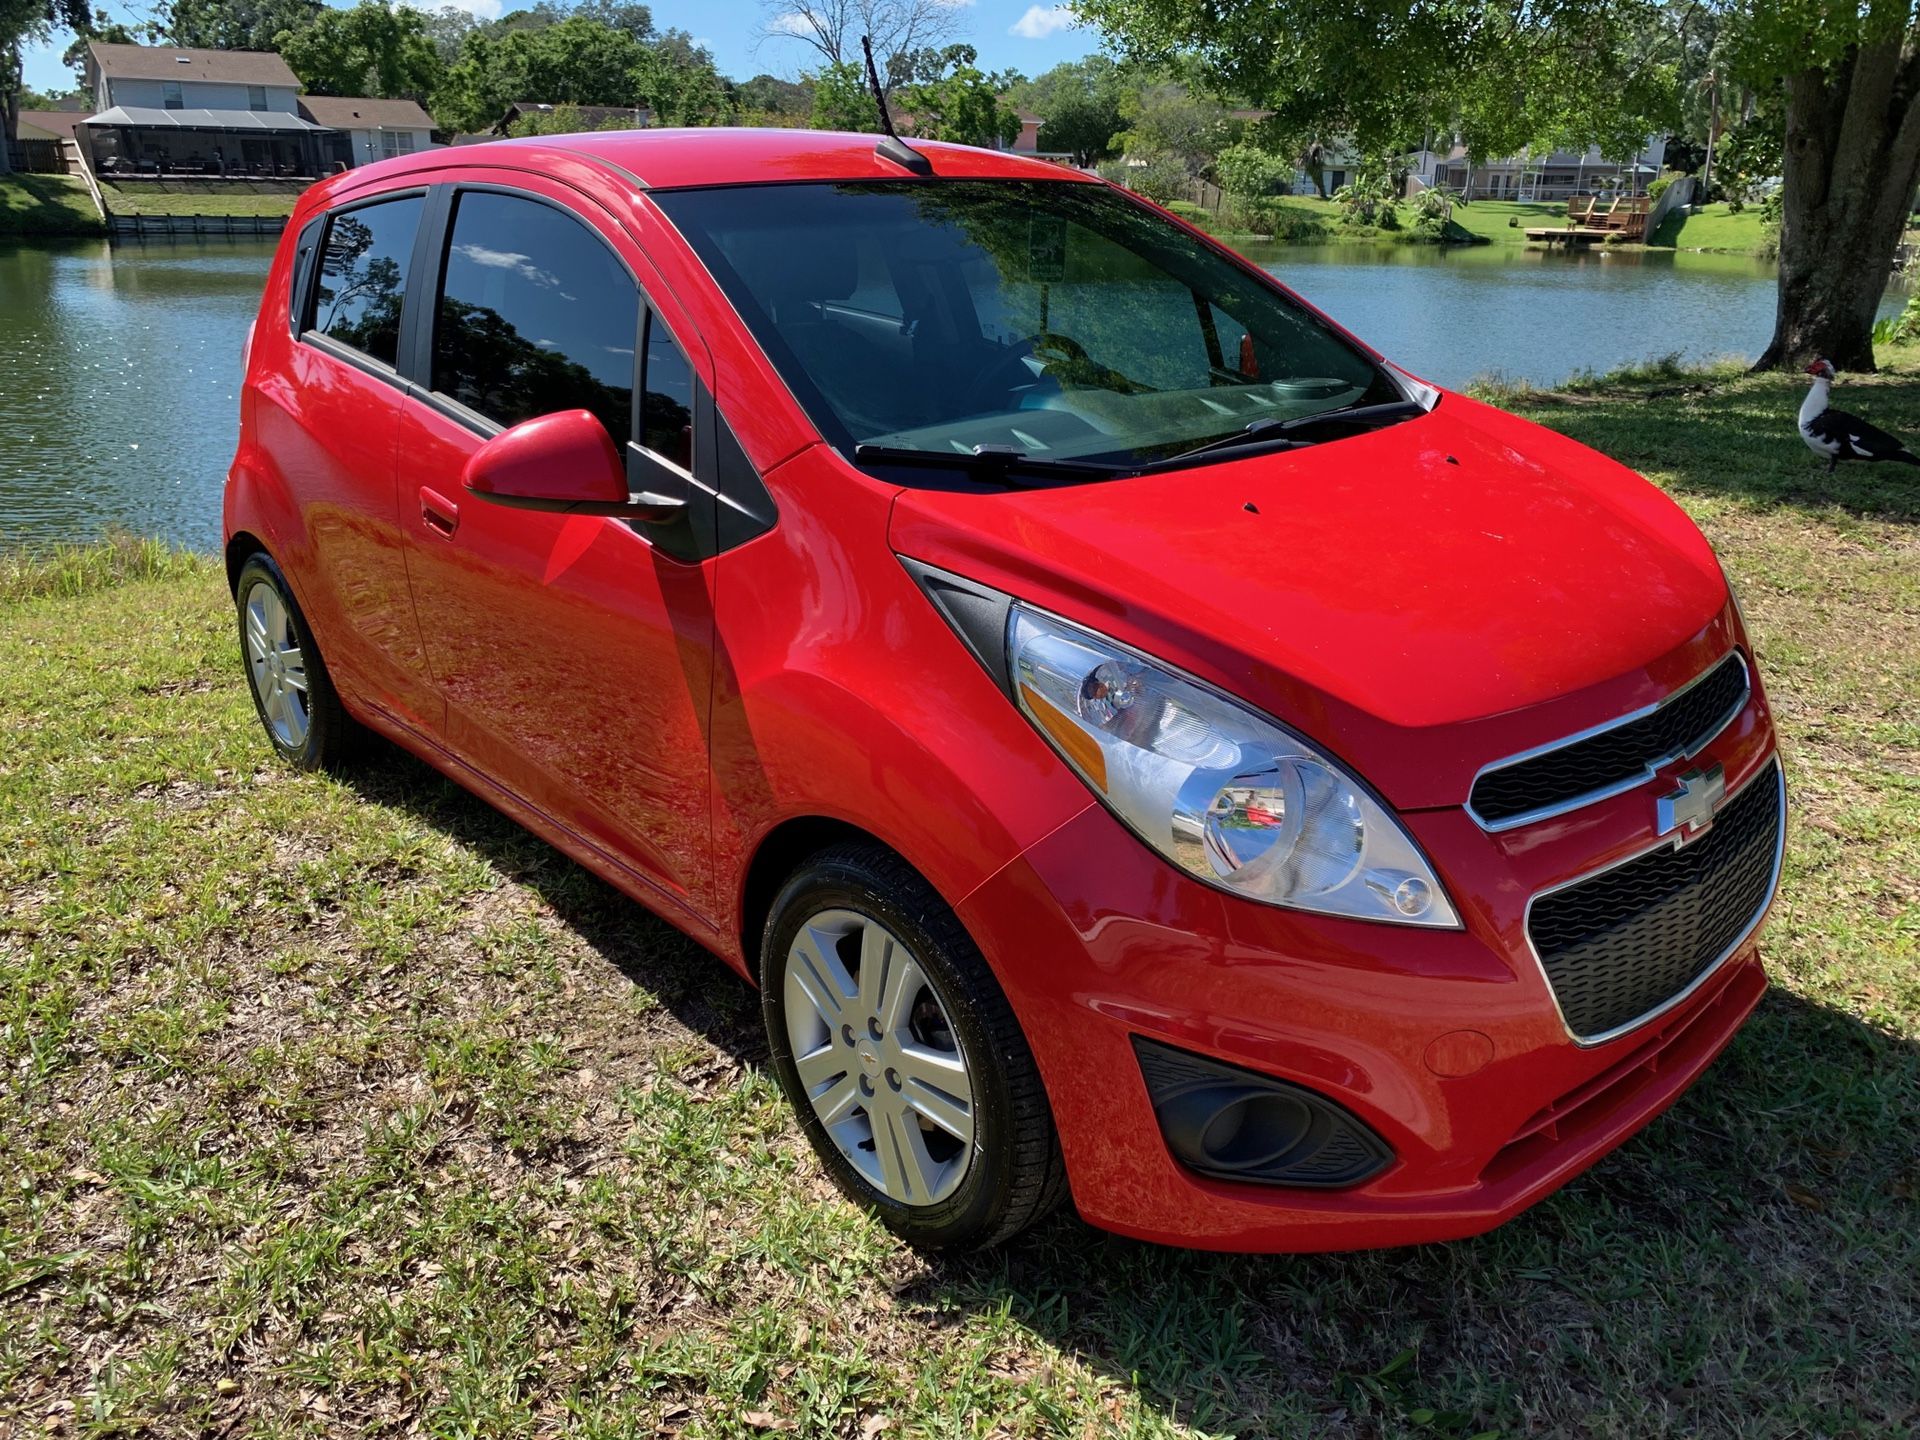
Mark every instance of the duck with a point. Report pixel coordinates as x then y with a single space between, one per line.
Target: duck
1839 436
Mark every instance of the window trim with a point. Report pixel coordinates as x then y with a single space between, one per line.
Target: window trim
308 299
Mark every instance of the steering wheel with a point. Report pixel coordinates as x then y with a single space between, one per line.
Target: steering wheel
1009 369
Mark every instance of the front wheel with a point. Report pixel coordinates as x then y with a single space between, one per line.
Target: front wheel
901 1055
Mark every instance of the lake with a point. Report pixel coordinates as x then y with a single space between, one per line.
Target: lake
120 365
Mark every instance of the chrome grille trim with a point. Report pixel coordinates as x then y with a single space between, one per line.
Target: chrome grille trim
1672 842
1620 787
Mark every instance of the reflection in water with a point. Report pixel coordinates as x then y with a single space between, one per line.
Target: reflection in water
120 385
120 366
1453 314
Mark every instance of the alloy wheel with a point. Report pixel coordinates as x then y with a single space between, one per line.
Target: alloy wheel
276 666
878 1057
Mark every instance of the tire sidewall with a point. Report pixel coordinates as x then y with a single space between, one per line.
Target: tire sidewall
973 1210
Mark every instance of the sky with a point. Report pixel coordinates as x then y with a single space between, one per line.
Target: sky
1009 34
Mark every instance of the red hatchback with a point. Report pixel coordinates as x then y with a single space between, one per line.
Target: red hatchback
1139 741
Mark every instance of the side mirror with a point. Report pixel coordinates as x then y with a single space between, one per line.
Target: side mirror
566 463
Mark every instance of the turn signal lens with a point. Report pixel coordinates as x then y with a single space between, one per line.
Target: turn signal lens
1222 791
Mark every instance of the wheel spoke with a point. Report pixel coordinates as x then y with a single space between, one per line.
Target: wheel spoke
904 982
820 974
878 954
817 1067
952 1113
257 640
294 668
838 1101
899 1167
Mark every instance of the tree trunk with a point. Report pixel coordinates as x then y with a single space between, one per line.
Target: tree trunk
1850 165
10 77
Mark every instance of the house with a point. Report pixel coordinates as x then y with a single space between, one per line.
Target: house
1549 175
372 129
163 110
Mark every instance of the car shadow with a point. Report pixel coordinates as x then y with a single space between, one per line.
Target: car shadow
1758 1240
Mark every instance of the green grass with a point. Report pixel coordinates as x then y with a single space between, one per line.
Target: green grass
32 205
1491 220
346 1107
231 197
1714 227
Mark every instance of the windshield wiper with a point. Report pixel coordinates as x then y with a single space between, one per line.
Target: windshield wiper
991 462
1271 434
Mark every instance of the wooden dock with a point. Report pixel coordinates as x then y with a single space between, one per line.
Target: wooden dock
1593 221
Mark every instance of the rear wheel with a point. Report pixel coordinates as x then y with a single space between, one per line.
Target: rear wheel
292 691
902 1057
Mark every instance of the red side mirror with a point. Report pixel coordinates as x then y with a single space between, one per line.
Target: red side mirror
563 462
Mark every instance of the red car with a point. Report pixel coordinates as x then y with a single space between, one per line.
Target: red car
1140 742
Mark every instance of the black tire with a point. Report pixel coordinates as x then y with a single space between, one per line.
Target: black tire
332 736
1015 1175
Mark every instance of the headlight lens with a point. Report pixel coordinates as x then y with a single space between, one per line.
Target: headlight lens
1223 792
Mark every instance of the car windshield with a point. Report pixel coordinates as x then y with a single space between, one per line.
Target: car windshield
1055 320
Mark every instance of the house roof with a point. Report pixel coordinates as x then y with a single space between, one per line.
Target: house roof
57 123
149 117
358 112
168 62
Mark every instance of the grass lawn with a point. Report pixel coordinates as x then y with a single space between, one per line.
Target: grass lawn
345 1106
187 198
1492 219
1713 227
46 205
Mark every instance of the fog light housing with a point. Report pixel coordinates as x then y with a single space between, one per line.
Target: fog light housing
1235 1124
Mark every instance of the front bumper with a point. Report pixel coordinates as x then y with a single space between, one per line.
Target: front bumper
1098 940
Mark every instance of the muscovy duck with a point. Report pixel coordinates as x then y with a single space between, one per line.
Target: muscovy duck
1840 436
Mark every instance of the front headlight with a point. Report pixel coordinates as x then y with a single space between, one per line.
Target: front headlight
1220 790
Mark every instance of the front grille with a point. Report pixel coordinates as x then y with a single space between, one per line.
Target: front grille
1620 944
1627 752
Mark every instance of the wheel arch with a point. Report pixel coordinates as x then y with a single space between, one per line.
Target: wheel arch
242 547
782 851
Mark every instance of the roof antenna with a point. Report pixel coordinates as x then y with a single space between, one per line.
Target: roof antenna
891 147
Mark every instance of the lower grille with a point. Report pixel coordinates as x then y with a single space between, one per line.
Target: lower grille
1621 944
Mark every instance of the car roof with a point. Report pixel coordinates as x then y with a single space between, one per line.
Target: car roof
663 159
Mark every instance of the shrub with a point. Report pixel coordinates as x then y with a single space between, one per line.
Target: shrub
1250 172
1187 210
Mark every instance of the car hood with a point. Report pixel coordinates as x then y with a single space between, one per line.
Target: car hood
1421 599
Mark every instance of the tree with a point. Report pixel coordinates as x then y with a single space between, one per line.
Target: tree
1079 107
234 24
676 80
1850 161
833 28
768 100
23 22
842 101
374 49
1247 172
952 100
1168 122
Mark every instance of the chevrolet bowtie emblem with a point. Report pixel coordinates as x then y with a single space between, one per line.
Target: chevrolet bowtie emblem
1690 808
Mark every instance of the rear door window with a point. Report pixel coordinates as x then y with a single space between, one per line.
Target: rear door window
536 315
363 273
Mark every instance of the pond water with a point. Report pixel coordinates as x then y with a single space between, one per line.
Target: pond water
120 365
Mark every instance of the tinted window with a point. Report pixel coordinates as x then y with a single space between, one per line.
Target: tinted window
1059 319
666 410
536 315
363 272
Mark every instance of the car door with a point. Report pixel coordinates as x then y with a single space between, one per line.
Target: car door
330 419
574 652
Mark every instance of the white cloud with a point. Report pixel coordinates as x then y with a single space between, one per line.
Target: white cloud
790 24
1040 21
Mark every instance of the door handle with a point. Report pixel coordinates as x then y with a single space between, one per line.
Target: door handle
438 511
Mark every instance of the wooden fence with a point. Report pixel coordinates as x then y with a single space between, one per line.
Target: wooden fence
40 157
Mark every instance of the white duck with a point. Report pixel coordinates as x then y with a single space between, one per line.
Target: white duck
1839 436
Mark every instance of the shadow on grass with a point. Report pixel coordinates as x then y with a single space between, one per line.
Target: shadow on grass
1737 438
1753 1254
